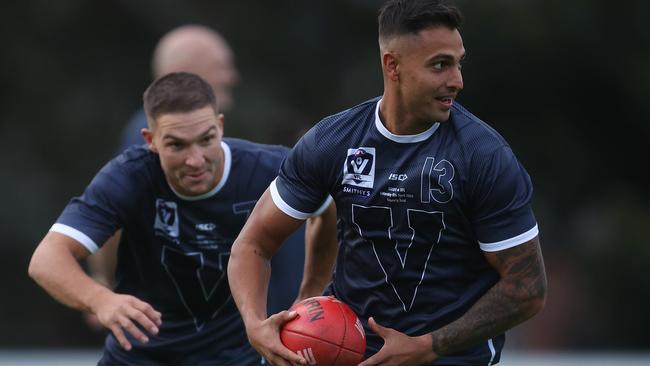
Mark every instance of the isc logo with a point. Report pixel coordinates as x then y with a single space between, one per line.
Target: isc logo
399 177
208 226
308 355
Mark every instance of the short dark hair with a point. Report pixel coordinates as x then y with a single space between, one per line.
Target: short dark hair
400 17
177 92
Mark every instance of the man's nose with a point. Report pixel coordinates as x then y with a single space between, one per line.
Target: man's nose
455 80
195 157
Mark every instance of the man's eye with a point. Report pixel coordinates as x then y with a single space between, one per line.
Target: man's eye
438 65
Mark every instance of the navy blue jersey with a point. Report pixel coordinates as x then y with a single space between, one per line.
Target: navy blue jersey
415 214
174 250
287 262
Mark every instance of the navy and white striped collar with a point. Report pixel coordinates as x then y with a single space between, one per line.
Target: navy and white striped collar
403 139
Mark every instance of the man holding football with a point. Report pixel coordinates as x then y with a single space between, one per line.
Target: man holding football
438 245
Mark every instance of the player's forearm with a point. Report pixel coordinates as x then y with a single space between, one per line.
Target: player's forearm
249 271
491 316
315 279
504 306
63 278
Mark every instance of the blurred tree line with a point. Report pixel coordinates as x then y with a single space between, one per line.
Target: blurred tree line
566 82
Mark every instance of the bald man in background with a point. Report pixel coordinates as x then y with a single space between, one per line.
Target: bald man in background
190 48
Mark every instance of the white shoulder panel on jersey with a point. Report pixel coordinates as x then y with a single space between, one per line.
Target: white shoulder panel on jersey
77 235
284 207
509 243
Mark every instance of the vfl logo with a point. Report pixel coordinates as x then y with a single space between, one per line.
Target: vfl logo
359 167
166 218
308 355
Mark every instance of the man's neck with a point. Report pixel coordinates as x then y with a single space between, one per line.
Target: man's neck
398 120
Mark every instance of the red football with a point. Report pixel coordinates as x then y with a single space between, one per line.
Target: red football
326 332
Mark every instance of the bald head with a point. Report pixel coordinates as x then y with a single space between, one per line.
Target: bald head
202 51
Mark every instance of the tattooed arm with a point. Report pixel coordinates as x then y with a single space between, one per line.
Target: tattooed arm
519 294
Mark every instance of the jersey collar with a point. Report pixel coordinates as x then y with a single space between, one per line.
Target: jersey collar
403 139
227 164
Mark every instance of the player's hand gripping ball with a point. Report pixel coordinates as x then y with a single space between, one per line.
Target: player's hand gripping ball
326 332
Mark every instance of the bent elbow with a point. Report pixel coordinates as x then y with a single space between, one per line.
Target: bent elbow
34 269
40 265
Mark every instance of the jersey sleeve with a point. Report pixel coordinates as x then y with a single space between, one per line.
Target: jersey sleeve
301 188
502 215
94 216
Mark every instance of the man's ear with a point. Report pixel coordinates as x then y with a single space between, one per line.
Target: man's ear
221 121
390 64
148 138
